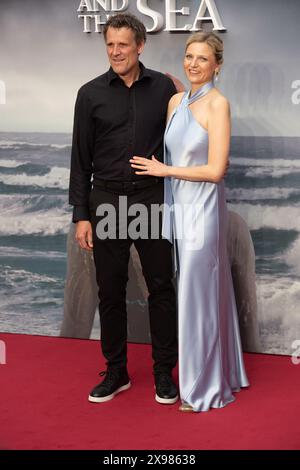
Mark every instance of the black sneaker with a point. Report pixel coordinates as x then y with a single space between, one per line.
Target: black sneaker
166 390
116 381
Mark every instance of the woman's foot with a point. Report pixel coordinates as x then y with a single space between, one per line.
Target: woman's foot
186 407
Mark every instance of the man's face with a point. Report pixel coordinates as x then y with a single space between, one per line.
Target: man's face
122 50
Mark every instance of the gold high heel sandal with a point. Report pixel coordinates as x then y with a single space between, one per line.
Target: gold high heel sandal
186 407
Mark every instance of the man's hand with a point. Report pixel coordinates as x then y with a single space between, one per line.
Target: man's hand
227 168
84 235
178 84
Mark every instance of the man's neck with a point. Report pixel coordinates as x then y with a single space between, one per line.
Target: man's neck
131 77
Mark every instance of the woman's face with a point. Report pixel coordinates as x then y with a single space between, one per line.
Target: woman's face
199 63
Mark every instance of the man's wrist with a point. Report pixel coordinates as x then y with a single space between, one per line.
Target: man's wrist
81 213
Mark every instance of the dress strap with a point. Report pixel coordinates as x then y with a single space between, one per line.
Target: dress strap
202 91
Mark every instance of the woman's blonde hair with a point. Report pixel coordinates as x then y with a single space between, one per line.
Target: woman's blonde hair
212 40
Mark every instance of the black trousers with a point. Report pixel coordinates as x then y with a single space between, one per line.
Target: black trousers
111 256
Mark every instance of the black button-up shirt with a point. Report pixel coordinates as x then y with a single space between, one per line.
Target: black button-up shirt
112 123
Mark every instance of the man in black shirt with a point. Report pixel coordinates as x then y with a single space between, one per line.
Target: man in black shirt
118 115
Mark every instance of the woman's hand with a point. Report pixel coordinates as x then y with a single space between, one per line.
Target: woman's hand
151 167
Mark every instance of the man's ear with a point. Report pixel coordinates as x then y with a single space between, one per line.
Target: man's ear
141 47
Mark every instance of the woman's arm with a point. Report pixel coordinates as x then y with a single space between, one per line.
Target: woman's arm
219 129
218 149
173 103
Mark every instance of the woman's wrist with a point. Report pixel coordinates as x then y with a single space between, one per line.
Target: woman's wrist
170 171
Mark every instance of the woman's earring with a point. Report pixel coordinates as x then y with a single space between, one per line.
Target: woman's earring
216 77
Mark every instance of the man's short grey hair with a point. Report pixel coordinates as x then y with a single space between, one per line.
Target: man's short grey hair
126 20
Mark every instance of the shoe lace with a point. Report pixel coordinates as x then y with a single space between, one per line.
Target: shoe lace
110 376
165 380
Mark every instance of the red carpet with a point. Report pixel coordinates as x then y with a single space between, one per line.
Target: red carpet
43 403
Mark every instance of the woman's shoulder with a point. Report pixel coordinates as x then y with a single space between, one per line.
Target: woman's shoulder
218 101
176 99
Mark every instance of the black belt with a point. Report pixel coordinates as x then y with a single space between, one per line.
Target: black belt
126 186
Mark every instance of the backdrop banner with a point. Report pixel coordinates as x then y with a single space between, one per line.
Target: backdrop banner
47 51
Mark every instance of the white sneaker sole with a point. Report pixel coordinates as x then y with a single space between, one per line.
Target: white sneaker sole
166 401
111 396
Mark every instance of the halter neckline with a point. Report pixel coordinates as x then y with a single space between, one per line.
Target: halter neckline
202 91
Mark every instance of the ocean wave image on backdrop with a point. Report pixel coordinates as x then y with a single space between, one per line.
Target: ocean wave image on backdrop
262 186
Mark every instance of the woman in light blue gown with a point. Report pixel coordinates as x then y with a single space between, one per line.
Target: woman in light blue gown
197 142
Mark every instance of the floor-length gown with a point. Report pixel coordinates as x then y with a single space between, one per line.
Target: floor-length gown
210 356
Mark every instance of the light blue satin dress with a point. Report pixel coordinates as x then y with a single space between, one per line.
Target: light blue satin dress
211 364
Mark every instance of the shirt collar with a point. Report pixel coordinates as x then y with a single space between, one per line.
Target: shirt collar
144 73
